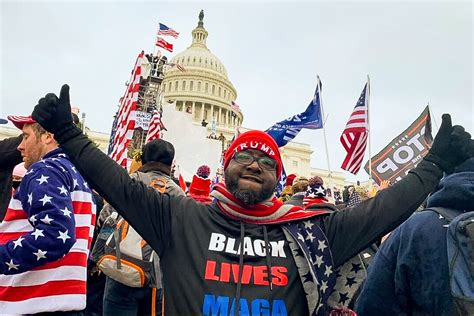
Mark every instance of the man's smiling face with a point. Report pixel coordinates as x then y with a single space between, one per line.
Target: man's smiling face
250 183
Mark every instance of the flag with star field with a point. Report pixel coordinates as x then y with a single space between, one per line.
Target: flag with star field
45 238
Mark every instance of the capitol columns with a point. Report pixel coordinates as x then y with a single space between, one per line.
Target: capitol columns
220 117
194 108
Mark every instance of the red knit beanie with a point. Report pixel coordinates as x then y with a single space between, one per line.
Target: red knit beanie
256 140
289 179
199 186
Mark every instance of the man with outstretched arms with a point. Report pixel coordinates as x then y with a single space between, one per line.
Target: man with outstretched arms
248 253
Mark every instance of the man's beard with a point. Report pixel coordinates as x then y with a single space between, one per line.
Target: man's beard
246 196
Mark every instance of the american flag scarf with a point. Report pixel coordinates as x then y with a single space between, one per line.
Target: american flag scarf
307 242
271 211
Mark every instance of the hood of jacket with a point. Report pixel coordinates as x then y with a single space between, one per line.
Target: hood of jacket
456 190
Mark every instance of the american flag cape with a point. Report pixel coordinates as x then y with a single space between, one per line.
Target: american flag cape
166 31
284 131
355 134
126 117
155 127
45 240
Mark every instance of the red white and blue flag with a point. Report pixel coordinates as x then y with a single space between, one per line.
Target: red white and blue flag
178 66
355 135
160 42
155 127
125 124
284 131
167 31
234 106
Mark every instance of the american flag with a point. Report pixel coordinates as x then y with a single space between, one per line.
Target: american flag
167 31
126 117
179 66
354 137
284 131
155 127
160 42
234 106
45 240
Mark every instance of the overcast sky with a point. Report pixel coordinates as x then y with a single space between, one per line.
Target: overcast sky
415 53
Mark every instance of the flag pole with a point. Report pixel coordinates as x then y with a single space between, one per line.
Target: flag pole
368 124
324 125
433 116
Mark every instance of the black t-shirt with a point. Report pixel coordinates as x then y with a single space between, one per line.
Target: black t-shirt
209 256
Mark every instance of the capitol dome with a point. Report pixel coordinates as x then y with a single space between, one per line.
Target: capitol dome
200 85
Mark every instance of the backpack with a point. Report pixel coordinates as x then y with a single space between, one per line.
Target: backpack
125 256
460 246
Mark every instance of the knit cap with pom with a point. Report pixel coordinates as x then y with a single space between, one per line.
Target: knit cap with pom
203 171
315 188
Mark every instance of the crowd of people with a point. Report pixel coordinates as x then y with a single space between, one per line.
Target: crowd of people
80 235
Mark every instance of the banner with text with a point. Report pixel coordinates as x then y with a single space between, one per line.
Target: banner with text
142 119
404 151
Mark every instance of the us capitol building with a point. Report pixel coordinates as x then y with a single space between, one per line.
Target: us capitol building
204 92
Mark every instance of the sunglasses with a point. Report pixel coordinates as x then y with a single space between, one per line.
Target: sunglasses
246 159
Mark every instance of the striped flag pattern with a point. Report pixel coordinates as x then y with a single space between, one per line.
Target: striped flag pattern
167 31
126 117
155 127
47 216
178 66
160 42
354 137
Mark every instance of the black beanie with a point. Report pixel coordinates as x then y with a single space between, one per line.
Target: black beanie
158 150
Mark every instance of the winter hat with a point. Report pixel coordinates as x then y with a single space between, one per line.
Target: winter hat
201 184
158 150
203 171
315 188
19 121
256 140
19 170
300 184
289 179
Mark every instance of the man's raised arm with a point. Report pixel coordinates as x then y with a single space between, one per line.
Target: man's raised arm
144 208
354 229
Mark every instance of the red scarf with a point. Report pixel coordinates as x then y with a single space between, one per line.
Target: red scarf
271 211
307 201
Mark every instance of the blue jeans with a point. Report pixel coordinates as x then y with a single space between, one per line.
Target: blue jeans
123 300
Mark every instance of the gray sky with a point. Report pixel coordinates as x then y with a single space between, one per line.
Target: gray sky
414 52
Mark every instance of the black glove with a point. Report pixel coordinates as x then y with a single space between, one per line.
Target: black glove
451 146
54 115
